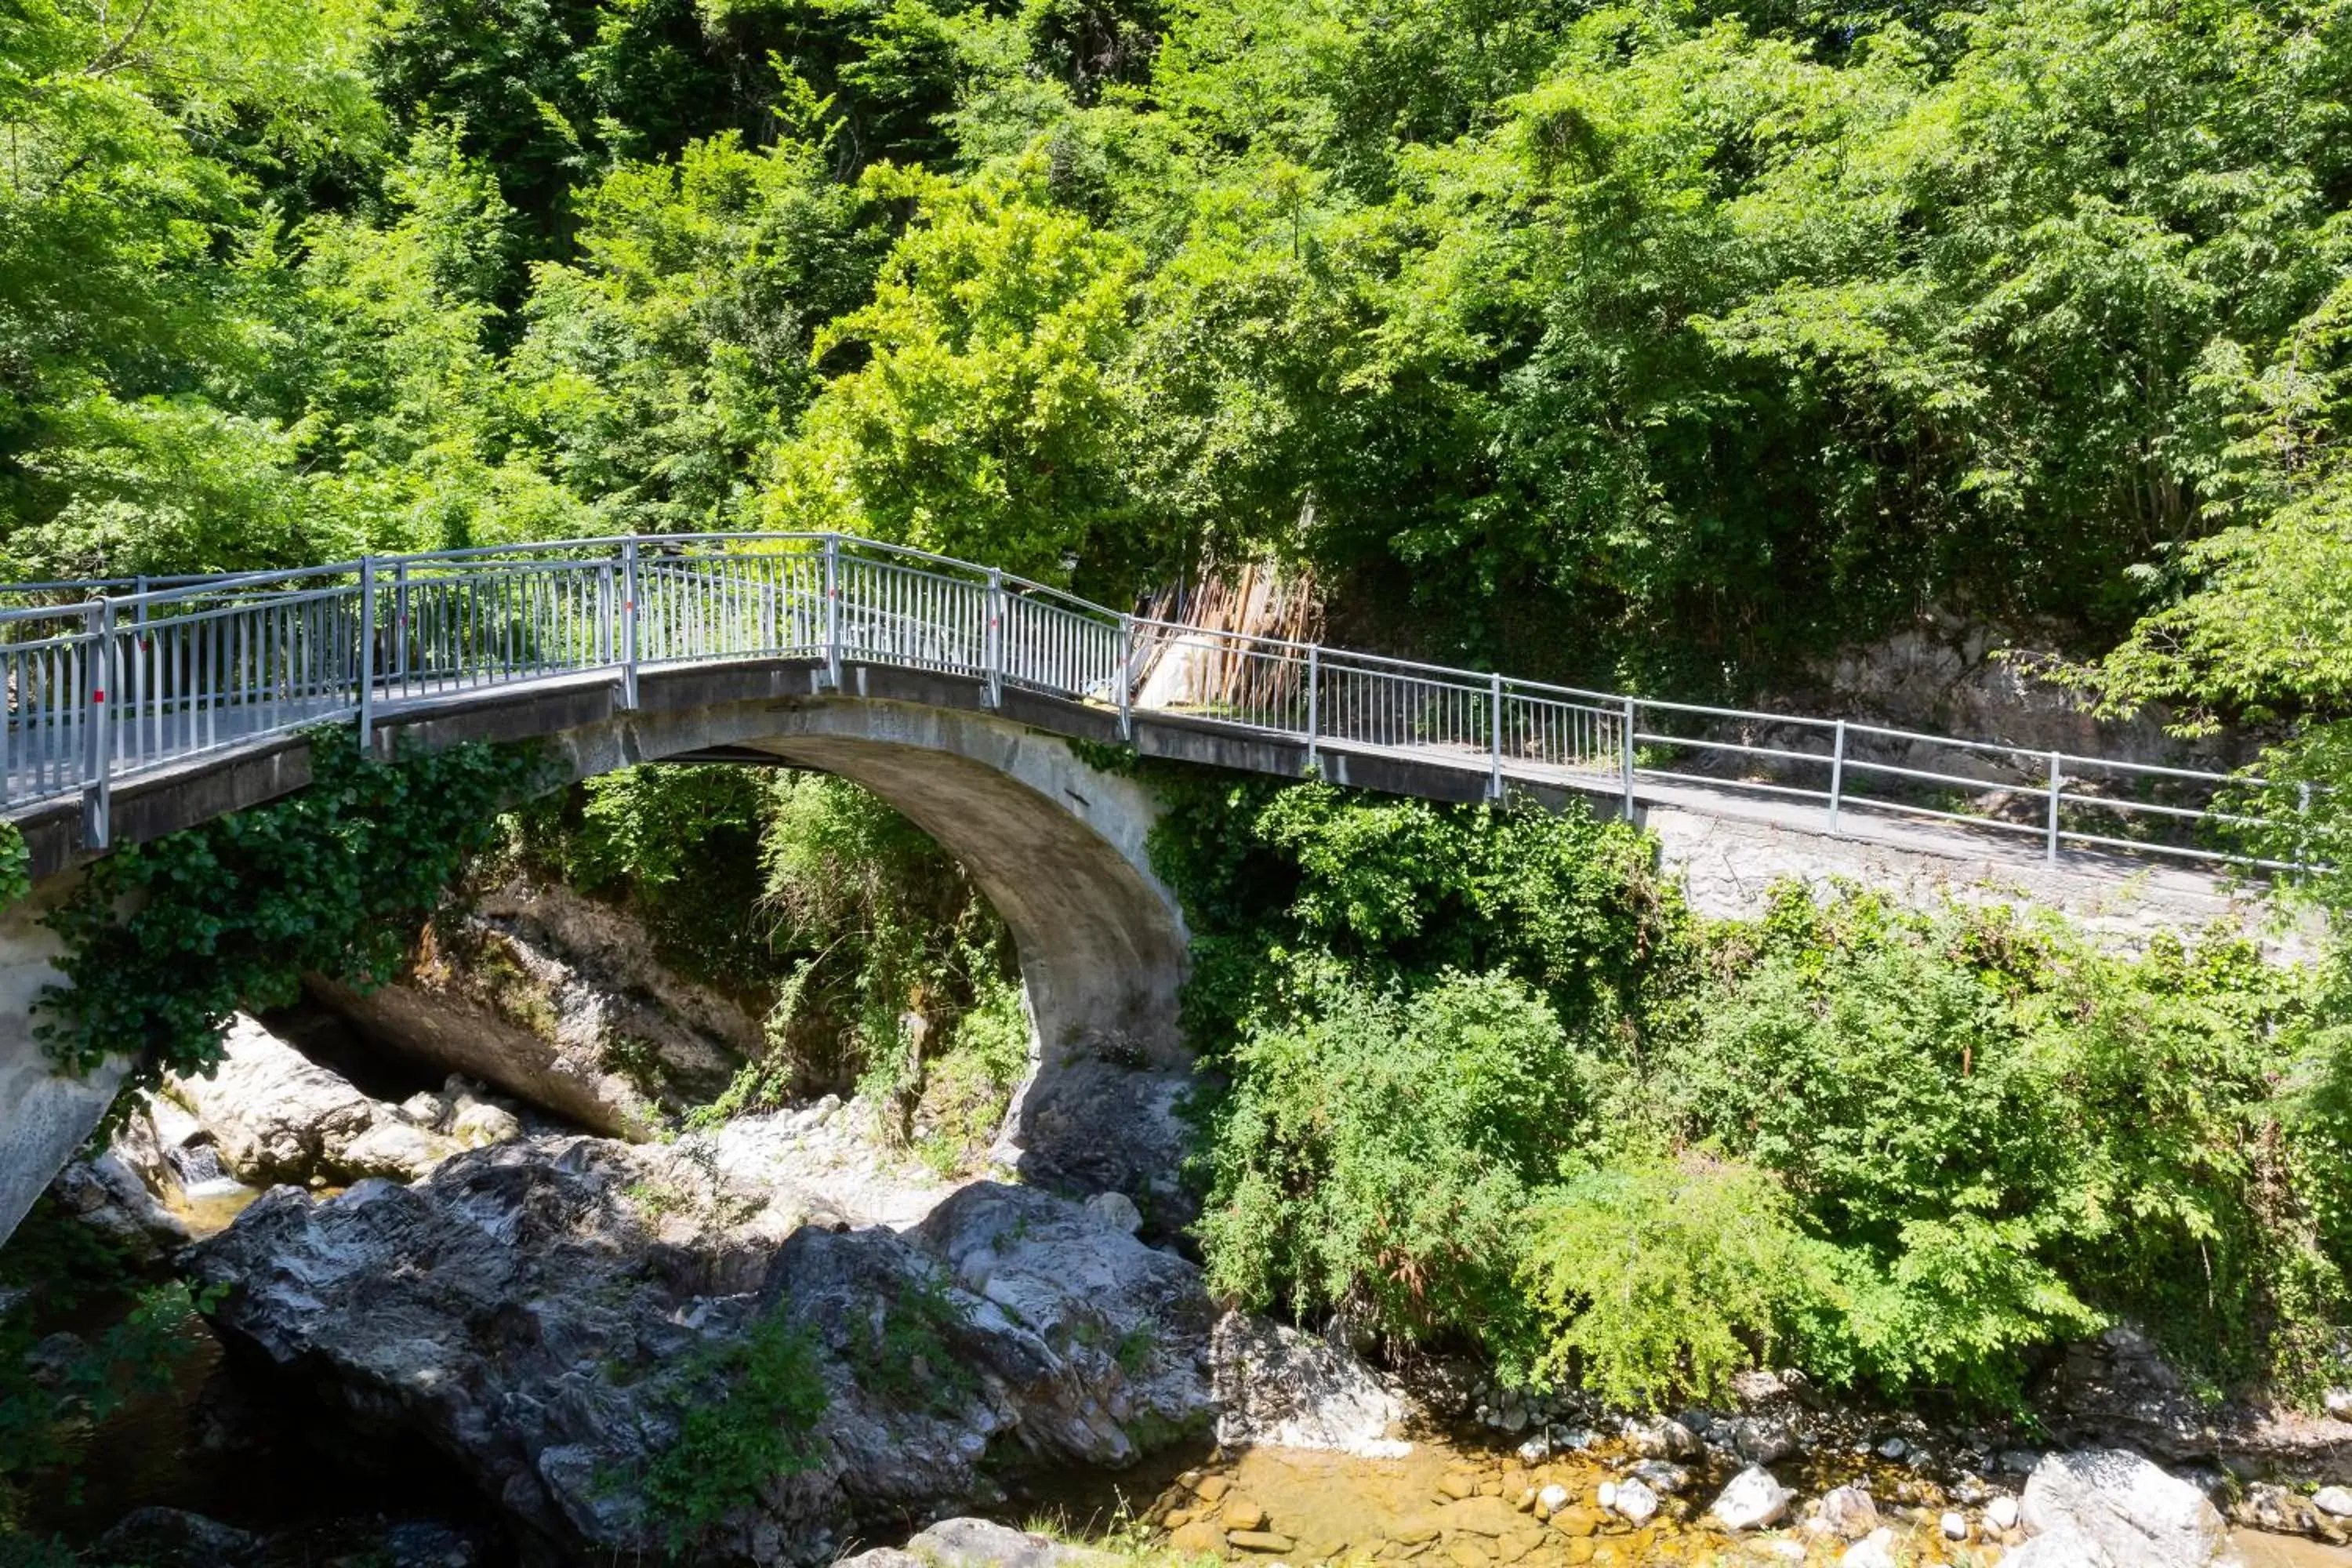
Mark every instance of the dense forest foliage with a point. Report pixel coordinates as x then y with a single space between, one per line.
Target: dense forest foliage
1709 335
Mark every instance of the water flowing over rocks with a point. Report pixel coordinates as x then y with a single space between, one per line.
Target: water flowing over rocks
534 1308
558 1000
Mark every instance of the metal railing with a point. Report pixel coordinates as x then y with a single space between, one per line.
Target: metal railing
118 683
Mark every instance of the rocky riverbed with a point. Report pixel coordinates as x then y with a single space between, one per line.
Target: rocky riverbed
508 1323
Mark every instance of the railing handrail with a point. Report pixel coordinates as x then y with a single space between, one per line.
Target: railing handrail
291 615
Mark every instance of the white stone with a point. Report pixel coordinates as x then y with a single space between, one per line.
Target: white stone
1534 1450
1552 1498
2001 1513
1893 1449
2134 1514
1753 1499
1875 1550
2339 1404
481 1124
1955 1525
1607 1495
1635 1502
1116 1210
2336 1501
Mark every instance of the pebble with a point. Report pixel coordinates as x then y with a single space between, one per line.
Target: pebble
2334 1501
1875 1551
1551 1499
1635 1501
1662 1478
1241 1514
1536 1449
1258 1540
1956 1526
1455 1485
1894 1449
2001 1513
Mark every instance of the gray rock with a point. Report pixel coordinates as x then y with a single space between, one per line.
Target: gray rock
1116 1210
481 1124
396 1148
274 1115
1753 1499
1659 1437
108 1195
978 1544
2060 1548
2132 1513
2339 1404
2002 1513
1662 1478
1761 1441
1276 1388
2334 1501
555 1336
1849 1512
560 1001
173 1538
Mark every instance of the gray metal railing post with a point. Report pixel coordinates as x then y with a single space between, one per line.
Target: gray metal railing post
98 791
367 656
1494 738
1314 706
139 616
629 624
1127 677
832 609
1837 778
993 651
1625 756
604 601
2057 776
400 623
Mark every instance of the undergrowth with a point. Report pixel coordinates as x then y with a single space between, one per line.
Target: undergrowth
1488 1084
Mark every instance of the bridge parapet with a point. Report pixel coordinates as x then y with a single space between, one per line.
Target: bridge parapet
110 682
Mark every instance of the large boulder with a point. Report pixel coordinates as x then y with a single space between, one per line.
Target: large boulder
1277 1387
274 1114
560 1001
270 1114
981 1543
106 1194
2111 1509
547 1312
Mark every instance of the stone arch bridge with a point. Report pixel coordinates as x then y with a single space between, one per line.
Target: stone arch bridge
135 709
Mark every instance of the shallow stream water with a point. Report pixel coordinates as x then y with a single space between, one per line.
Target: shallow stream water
1449 1505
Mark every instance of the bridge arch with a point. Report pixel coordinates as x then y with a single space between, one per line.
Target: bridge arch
1057 844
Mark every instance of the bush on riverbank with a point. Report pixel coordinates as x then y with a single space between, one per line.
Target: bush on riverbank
1492 1084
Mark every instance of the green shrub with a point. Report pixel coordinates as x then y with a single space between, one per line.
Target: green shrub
1403 889
1377 1146
1658 1279
2009 1135
756 1403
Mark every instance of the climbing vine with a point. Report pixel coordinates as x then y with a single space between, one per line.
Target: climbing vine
15 865
166 940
